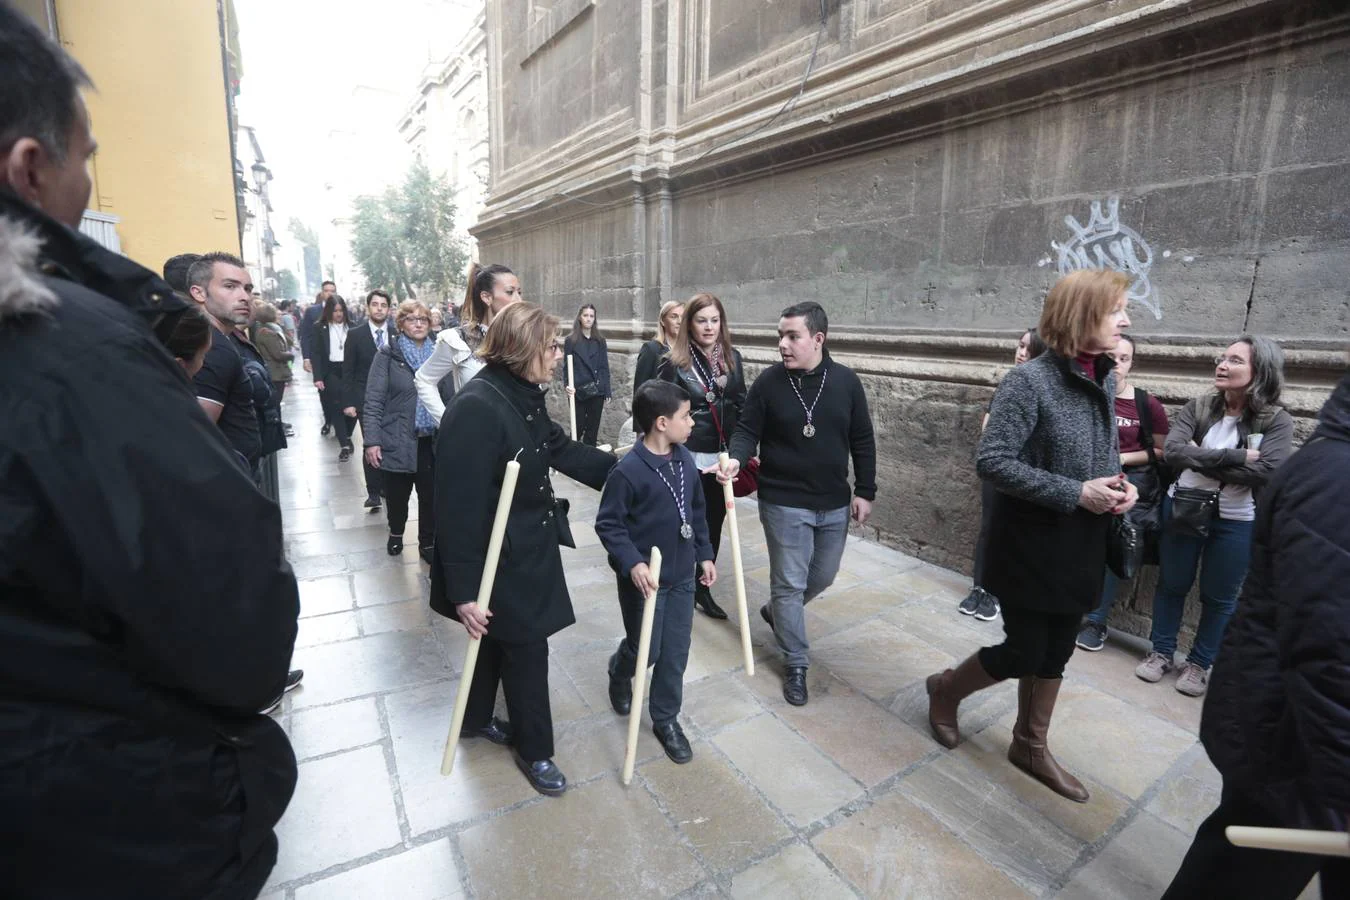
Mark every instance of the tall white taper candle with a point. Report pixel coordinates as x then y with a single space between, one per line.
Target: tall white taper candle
742 612
571 398
1294 840
640 676
494 552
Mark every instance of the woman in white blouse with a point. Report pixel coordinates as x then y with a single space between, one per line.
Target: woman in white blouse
1230 440
330 354
491 289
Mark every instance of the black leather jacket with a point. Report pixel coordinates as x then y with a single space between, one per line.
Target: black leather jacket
713 422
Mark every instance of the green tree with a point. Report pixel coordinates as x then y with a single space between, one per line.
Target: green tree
404 239
302 233
378 243
288 286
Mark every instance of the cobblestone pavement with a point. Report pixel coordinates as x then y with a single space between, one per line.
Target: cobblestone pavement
847 796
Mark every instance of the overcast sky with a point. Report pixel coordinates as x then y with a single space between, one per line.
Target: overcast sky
302 59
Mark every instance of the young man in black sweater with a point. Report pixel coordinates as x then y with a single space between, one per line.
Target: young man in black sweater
807 417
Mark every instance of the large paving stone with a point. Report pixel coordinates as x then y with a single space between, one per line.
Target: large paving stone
406 615
795 873
895 849
321 596
1189 793
339 626
390 584
327 729
597 841
780 762
369 665
1138 864
1111 671
427 872
877 658
343 809
724 819
714 703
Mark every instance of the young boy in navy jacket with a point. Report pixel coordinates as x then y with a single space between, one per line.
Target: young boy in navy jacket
653 498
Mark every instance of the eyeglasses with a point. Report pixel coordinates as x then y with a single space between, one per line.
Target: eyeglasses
1231 360
556 347
417 320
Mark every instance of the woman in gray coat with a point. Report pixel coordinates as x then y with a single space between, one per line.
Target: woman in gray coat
400 433
1051 452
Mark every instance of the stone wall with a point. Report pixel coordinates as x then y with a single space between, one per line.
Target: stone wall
943 164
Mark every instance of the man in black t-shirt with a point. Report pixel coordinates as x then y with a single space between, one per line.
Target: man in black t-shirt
220 283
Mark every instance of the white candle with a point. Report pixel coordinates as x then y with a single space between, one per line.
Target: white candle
742 611
640 676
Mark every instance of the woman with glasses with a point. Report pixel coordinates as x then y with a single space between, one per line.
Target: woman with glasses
399 431
497 417
1228 441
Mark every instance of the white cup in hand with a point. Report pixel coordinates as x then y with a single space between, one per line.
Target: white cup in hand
1254 441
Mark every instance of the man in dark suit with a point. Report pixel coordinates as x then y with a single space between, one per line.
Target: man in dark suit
364 342
308 321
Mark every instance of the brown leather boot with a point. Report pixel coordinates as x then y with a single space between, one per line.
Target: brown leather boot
1030 751
946 690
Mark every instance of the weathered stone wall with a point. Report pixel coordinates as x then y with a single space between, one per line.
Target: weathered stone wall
945 163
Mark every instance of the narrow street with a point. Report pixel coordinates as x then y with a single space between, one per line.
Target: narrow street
845 796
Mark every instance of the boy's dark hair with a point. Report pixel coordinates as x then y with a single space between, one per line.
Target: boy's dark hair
176 270
40 99
813 313
190 334
655 399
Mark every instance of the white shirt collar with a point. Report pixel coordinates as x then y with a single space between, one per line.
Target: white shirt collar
374 328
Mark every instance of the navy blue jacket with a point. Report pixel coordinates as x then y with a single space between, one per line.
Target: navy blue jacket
1276 722
637 512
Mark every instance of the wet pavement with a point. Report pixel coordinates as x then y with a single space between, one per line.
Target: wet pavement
847 796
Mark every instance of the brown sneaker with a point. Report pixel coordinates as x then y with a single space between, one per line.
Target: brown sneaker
1153 668
1193 681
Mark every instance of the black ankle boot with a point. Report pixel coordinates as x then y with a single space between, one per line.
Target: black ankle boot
395 545
703 599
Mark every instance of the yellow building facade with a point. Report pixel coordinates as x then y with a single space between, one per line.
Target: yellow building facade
161 115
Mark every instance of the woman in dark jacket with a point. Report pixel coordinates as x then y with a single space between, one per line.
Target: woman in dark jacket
1051 451
667 332
399 432
496 417
590 364
329 360
1230 441
1276 723
703 362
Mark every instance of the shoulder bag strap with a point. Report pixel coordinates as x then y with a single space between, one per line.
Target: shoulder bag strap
1146 428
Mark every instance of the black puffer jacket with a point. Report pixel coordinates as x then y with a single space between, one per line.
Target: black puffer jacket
146 611
1277 719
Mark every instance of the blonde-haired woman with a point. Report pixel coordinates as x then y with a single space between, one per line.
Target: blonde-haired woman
491 289
668 331
496 417
702 361
1051 451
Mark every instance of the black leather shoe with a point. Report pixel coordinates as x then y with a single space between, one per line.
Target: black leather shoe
395 545
703 599
543 776
766 614
495 730
794 685
426 554
676 745
620 689
372 503
325 429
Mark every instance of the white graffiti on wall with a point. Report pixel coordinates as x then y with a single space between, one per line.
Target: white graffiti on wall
1104 243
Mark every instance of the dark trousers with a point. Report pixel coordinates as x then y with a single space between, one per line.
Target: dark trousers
1215 868
398 487
1036 643
332 402
716 509
986 519
672 626
522 672
374 477
588 419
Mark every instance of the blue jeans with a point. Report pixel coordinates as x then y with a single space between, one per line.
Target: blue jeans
805 547
1222 560
1109 586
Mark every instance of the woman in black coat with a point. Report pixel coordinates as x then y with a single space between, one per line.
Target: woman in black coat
496 417
703 362
590 364
1051 451
329 362
1277 720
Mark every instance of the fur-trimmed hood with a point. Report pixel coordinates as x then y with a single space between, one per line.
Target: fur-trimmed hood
22 291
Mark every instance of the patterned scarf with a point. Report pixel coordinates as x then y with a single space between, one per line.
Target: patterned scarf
426 423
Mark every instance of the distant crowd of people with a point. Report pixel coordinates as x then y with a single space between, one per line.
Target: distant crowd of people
148 613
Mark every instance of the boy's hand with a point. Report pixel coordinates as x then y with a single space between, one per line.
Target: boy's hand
642 579
709 576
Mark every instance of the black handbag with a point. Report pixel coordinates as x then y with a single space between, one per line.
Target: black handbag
1193 511
1124 547
561 506
588 391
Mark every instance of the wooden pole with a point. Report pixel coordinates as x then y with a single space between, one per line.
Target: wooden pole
1293 840
640 676
571 398
742 611
494 552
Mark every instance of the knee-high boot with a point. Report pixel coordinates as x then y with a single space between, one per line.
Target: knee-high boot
1030 749
946 690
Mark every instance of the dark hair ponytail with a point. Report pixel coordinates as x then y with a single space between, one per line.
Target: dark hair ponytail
482 279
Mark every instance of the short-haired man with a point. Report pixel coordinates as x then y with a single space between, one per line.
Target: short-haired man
146 609
176 271
364 341
308 321
220 283
807 416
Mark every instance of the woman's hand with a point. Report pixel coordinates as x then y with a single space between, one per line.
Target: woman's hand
475 620
1131 498
709 576
1253 456
319 385
642 579
349 412
571 391
374 457
1103 494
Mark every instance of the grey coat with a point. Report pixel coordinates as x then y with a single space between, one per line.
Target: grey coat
389 418
1230 466
1051 428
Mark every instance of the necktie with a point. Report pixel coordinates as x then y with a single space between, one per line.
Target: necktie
379 338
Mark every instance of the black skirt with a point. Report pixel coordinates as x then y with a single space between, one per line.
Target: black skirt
1040 559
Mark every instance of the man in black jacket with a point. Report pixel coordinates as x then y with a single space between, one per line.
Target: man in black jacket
1277 720
364 341
808 417
146 611
308 321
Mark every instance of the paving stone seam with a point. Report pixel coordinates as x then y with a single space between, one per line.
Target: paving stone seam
680 834
391 764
